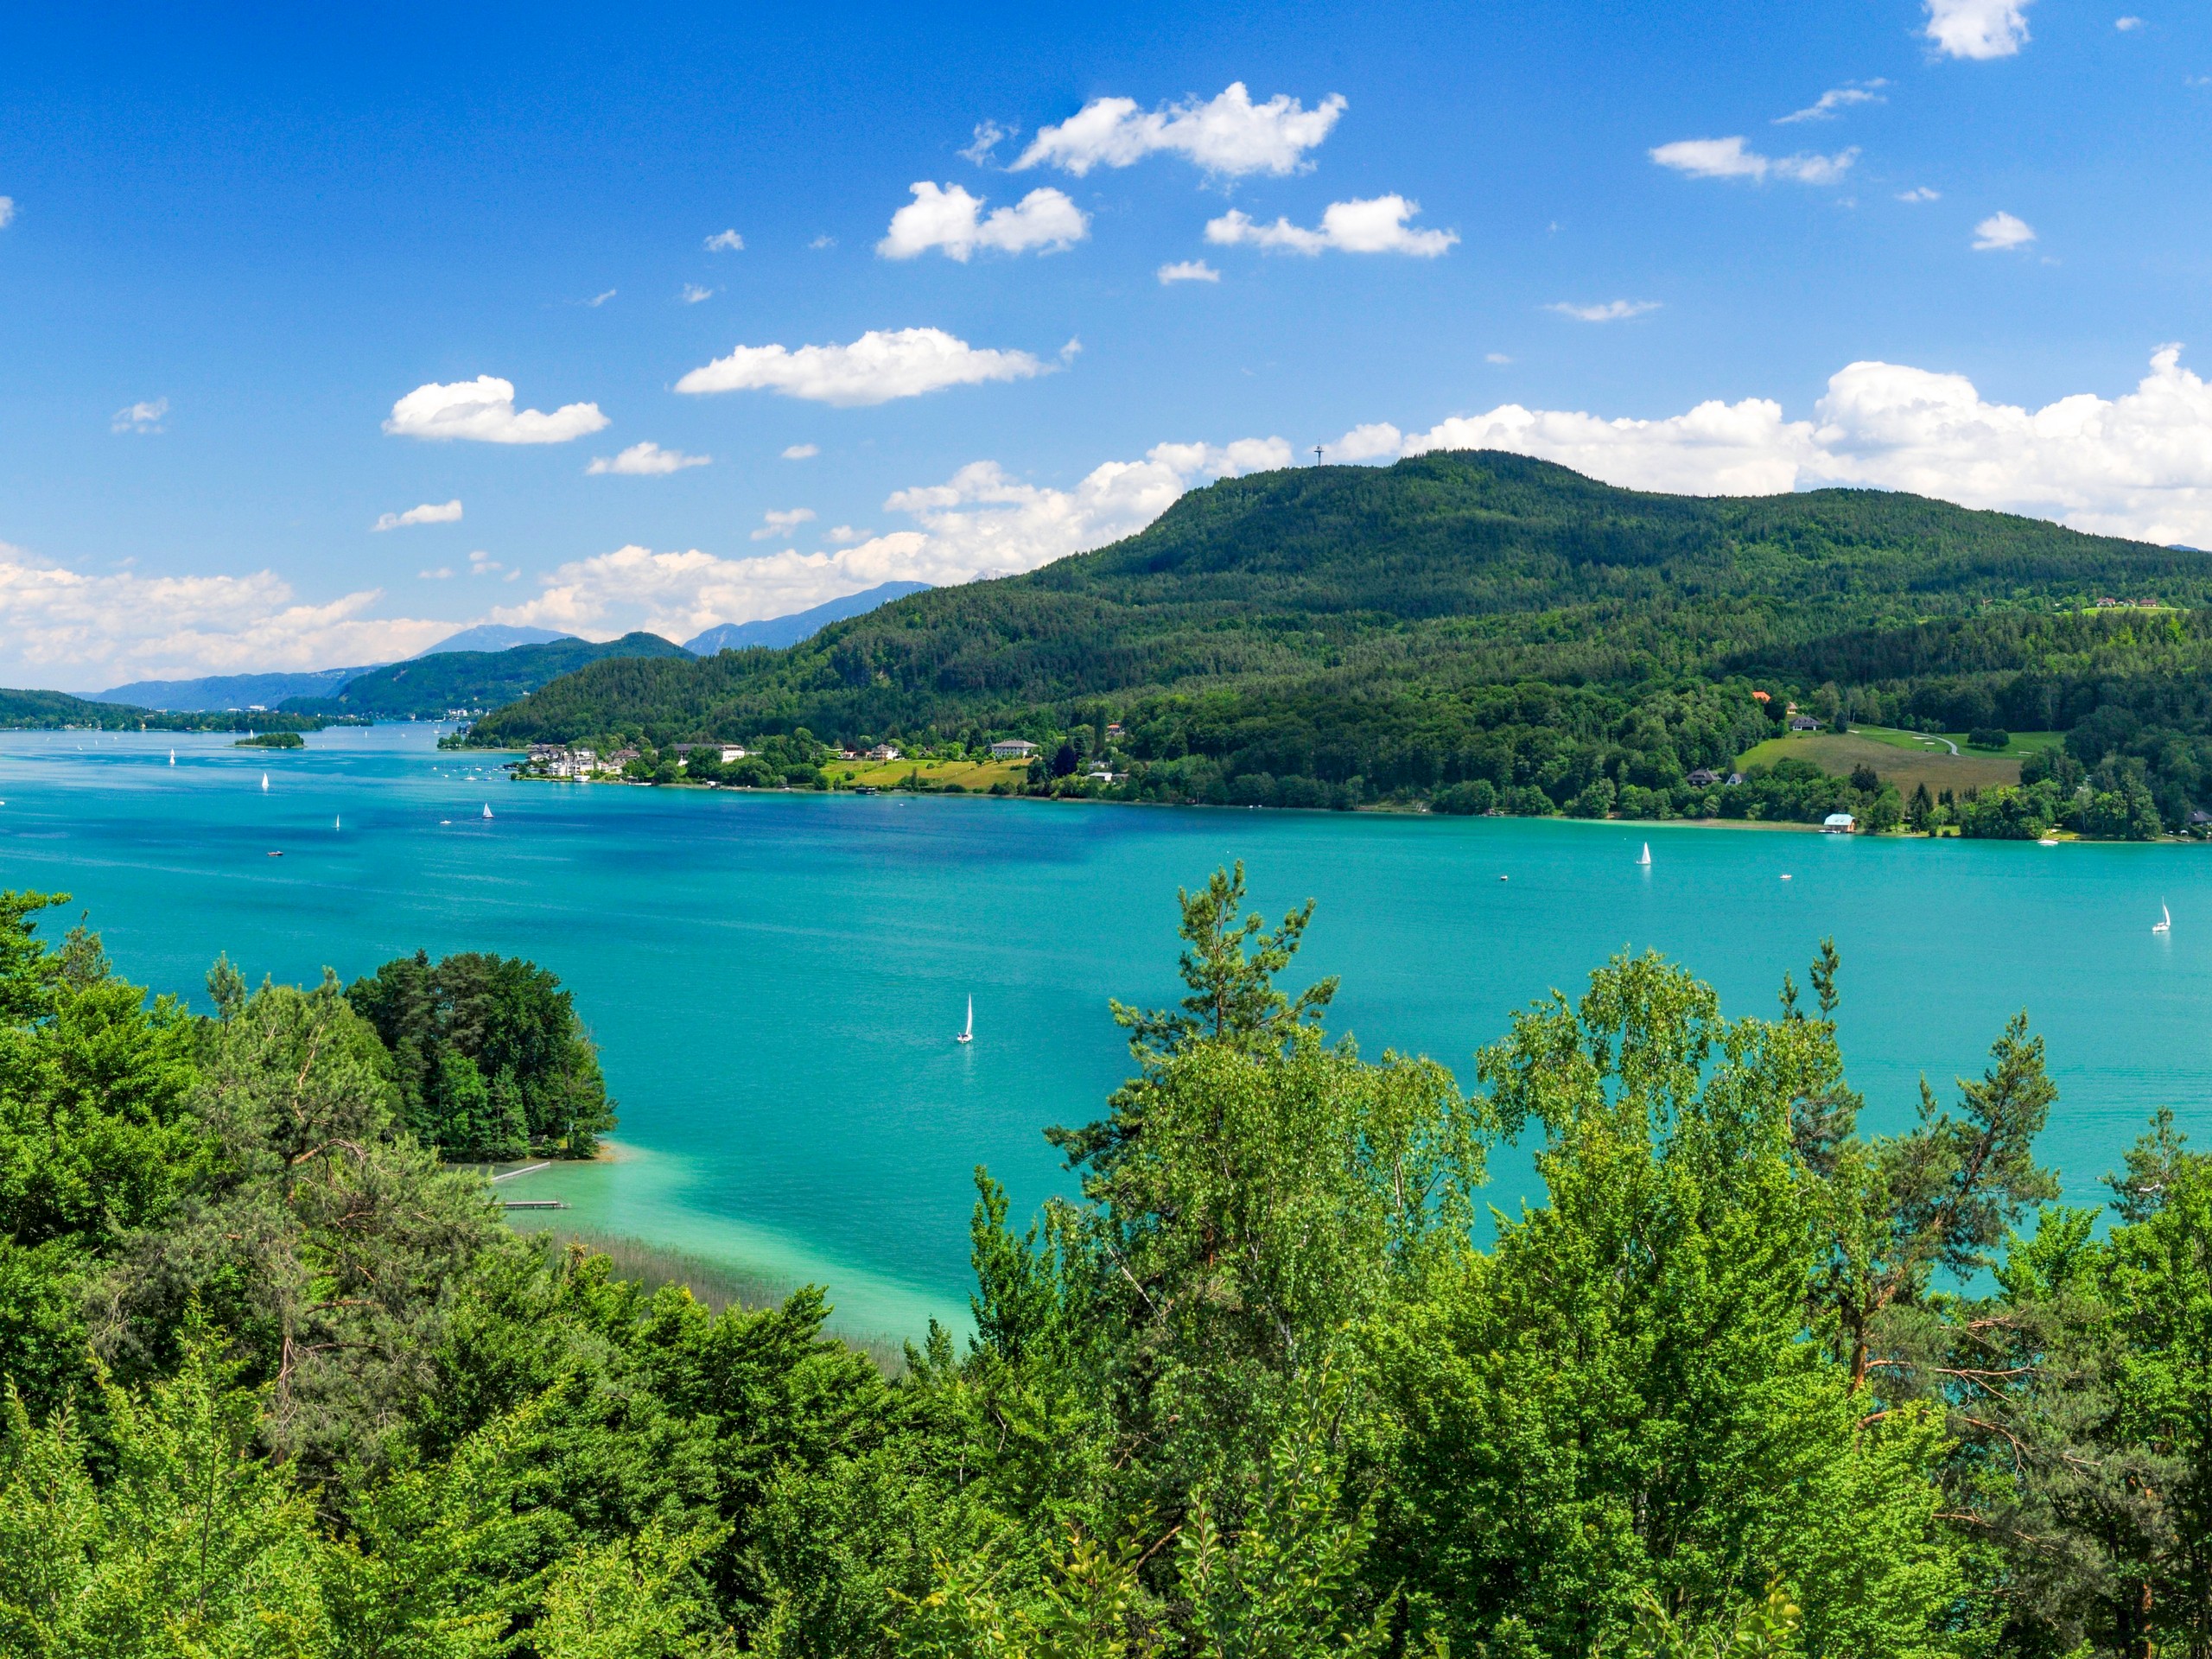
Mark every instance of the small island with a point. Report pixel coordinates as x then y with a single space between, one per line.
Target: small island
271 740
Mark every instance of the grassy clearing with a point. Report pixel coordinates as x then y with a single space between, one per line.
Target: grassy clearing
716 1285
1905 765
975 776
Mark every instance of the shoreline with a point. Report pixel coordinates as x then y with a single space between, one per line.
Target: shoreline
1380 809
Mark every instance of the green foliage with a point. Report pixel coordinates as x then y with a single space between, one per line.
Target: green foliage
490 1058
271 740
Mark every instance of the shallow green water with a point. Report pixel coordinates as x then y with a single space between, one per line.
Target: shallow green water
775 980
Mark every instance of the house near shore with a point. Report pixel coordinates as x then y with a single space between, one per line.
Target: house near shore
1838 824
1703 778
884 752
1013 748
1803 723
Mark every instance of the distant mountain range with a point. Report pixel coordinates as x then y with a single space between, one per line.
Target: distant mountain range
493 676
436 685
776 632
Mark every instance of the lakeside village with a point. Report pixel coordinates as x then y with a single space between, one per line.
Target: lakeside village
1819 769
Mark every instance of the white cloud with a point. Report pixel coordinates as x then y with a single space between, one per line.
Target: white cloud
59 627
691 294
1227 134
1851 93
2139 465
483 410
598 299
1375 225
989 137
802 451
444 573
481 563
430 512
980 522
1978 28
1610 311
1187 270
7 212
725 242
775 523
1920 192
1496 357
845 535
949 218
645 460
1376 441
1729 158
2002 231
140 417
881 364
821 242
2124 25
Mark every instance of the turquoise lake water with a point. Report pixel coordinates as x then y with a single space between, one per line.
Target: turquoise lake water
775 980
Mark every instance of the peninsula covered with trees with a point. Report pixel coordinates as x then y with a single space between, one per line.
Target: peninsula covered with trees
1741 1379
1481 632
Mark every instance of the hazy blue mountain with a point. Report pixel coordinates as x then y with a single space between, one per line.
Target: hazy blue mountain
489 636
428 687
219 691
779 630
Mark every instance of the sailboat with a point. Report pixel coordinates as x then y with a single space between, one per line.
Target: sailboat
338 823
968 1035
265 783
172 757
1646 859
488 808
2166 921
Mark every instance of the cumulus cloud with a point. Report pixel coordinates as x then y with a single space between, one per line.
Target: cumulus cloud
1609 311
7 212
645 460
880 366
84 633
845 535
981 522
140 417
430 512
2137 465
691 294
2124 25
1229 135
949 218
1187 270
802 451
1729 158
483 411
2001 233
481 563
725 242
1496 357
1376 225
774 524
598 299
1978 28
1920 192
1376 441
1844 97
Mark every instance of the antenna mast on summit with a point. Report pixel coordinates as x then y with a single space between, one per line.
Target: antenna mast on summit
1317 454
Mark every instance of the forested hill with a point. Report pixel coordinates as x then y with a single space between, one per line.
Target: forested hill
1472 568
425 688
1346 623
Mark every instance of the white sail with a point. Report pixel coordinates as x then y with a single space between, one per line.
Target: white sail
1646 859
2166 921
264 782
968 1032
172 757
338 823
488 808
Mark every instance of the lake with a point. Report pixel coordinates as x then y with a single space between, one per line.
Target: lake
775 980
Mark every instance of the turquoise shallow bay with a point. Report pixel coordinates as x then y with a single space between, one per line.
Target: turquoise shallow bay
774 980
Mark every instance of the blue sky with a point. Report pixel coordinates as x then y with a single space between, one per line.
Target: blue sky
236 242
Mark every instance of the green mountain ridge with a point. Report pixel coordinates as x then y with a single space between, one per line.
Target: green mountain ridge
430 687
1472 617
